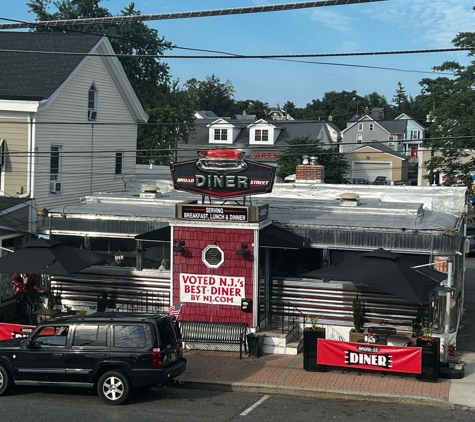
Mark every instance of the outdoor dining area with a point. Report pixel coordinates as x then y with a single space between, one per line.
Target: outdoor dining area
384 348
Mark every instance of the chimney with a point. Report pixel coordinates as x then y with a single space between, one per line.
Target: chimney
366 111
309 171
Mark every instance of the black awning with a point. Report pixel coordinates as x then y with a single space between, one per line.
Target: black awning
162 235
275 237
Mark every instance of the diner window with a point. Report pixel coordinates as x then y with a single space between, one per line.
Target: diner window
119 163
261 135
220 134
56 170
153 253
92 104
115 247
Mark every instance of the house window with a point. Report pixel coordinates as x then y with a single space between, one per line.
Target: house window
261 135
371 126
359 139
220 134
92 104
415 134
360 127
119 163
56 170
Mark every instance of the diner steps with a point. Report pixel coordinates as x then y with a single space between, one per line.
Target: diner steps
278 343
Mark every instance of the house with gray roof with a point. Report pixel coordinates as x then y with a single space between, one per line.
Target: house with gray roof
263 140
68 127
68 117
386 139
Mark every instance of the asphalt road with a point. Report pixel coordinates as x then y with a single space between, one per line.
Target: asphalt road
183 405
466 335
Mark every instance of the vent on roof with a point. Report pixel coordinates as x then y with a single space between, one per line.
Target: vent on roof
349 200
149 192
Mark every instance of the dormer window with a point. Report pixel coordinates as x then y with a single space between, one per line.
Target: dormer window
220 134
92 104
261 135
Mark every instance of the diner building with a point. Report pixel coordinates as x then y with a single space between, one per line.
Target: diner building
241 258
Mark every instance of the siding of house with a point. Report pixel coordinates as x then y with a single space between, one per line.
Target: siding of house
15 133
88 150
398 166
349 136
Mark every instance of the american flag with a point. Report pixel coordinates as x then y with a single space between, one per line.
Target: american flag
174 310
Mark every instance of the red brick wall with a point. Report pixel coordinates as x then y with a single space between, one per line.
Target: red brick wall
190 261
307 172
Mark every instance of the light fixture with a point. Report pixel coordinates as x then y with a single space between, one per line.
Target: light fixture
243 251
179 246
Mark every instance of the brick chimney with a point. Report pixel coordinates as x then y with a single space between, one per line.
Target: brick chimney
309 171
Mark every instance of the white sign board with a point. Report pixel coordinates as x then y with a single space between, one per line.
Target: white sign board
211 289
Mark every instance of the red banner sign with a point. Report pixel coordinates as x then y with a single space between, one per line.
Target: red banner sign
376 357
8 331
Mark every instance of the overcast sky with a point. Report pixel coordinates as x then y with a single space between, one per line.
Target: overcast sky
392 25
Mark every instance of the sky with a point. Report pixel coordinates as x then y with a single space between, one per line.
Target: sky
392 25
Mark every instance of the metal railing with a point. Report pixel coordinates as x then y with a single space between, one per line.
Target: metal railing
146 302
284 317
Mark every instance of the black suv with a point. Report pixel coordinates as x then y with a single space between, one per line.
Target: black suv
111 352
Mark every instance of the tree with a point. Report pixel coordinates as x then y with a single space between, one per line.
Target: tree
400 98
212 95
148 76
452 119
253 107
333 161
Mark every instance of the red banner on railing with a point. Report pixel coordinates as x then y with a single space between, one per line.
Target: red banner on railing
375 357
8 331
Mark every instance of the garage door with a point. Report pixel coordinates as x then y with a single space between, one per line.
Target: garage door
369 170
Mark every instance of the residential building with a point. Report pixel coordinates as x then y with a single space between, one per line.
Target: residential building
68 123
263 140
393 146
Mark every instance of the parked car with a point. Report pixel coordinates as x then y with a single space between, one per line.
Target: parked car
403 183
471 246
359 181
380 180
111 352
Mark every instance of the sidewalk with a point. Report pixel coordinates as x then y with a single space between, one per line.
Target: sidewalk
283 374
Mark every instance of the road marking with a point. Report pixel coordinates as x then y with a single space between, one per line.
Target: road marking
257 403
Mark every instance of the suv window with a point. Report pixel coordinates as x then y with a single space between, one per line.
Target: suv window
90 336
52 336
132 336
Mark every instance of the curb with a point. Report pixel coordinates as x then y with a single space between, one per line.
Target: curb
241 387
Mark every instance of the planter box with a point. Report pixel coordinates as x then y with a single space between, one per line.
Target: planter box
430 359
354 336
310 338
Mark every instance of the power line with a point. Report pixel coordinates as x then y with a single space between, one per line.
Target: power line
185 15
280 57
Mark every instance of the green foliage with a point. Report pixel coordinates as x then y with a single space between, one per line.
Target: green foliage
333 161
314 321
358 314
211 94
53 300
418 322
452 104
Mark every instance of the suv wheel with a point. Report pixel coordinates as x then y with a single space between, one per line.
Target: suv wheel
4 380
113 387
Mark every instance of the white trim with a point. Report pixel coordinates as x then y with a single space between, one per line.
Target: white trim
19 106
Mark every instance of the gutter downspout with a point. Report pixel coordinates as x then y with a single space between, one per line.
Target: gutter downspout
30 178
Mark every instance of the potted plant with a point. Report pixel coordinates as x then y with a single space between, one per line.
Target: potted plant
430 353
310 343
358 320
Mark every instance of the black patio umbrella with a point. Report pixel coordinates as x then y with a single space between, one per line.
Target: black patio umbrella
51 257
387 272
